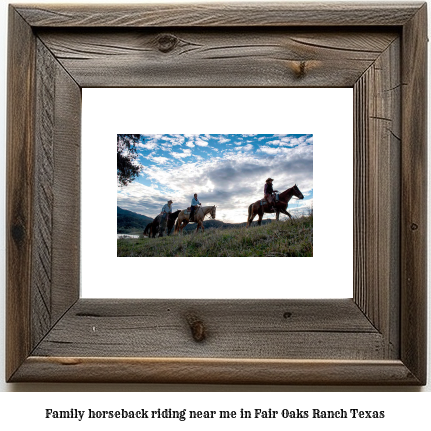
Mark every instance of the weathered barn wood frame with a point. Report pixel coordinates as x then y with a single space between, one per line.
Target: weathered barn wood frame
378 337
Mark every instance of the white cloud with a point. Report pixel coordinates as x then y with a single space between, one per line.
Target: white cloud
201 143
269 150
184 154
247 147
275 142
160 160
148 145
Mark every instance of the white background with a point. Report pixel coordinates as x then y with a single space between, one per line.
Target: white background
325 113
406 409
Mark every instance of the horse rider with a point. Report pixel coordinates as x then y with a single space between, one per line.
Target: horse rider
194 205
268 191
167 209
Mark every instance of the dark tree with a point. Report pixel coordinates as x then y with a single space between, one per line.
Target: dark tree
128 168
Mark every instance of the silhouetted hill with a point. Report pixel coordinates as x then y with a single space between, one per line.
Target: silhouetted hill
130 221
217 224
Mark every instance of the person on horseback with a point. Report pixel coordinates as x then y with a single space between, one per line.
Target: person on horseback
167 209
268 191
194 205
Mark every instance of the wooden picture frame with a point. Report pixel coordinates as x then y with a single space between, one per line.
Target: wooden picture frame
378 337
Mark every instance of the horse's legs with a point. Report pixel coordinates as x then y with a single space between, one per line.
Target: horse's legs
259 222
249 214
251 218
177 226
277 214
184 223
260 214
285 212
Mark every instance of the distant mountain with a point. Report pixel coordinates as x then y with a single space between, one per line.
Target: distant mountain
130 221
217 224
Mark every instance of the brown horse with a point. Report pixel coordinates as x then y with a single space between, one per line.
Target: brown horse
148 229
171 220
159 226
280 206
200 213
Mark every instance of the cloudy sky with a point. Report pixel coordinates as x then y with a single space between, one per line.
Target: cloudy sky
225 170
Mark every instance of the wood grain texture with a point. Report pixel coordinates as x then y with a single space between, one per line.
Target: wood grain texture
67 198
43 194
377 149
414 195
19 200
214 57
54 336
55 278
215 371
268 329
215 14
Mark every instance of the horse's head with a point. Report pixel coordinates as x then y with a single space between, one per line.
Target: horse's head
213 212
297 192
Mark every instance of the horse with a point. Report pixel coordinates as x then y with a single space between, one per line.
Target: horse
161 224
200 213
280 206
171 220
148 229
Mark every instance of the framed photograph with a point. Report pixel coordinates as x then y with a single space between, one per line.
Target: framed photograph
229 171
218 182
376 337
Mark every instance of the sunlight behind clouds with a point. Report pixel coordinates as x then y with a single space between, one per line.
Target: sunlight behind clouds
182 165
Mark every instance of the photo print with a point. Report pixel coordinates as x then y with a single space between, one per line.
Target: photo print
214 195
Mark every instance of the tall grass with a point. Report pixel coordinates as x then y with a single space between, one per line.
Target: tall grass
284 238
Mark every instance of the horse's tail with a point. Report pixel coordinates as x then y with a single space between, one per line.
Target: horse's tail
177 226
249 214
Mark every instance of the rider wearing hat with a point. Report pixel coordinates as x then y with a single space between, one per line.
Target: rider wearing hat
194 205
268 191
167 209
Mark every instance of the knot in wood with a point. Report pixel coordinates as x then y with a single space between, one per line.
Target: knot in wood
414 226
300 69
18 233
197 328
167 42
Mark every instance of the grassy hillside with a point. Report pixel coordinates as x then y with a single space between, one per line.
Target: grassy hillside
217 224
276 239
